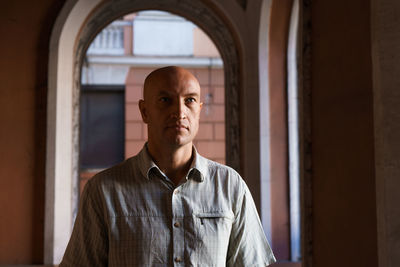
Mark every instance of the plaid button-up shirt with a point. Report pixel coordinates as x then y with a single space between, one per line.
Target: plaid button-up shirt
133 215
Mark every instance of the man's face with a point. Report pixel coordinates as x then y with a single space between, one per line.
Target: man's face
171 107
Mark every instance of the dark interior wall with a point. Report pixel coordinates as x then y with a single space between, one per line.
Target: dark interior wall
344 219
25 28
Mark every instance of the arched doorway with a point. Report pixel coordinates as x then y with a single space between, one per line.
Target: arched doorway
115 66
75 28
233 28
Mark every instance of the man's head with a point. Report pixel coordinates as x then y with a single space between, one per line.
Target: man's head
171 107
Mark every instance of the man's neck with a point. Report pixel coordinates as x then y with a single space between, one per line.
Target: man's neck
172 161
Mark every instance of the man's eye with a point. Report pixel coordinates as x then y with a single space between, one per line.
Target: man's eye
164 99
191 100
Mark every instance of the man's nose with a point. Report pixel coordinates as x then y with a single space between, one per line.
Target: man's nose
179 110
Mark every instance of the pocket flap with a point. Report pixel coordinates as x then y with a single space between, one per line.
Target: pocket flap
215 214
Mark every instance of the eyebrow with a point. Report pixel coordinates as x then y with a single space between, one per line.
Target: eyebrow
192 94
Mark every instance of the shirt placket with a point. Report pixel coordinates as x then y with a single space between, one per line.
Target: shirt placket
177 227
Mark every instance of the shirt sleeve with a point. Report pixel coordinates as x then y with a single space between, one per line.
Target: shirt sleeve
248 245
88 245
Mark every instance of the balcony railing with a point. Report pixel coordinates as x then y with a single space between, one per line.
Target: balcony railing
110 41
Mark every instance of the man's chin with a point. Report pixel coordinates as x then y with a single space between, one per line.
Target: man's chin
179 141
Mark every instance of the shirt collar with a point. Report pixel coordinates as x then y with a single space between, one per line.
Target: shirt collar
198 169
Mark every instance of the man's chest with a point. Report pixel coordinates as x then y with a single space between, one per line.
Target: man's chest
159 225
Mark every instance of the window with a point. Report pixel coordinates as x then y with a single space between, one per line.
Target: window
102 126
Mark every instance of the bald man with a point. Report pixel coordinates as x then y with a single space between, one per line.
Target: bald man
168 206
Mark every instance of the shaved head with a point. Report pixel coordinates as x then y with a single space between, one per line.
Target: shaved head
167 76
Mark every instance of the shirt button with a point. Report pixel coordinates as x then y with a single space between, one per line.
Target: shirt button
178 259
177 224
176 192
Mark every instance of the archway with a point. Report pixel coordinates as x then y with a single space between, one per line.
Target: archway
114 68
280 131
75 28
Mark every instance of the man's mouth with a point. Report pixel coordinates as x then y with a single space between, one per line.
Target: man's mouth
178 127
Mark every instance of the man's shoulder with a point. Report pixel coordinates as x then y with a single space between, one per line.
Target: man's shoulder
117 173
217 166
224 181
220 171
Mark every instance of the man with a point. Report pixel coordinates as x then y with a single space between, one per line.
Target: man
168 206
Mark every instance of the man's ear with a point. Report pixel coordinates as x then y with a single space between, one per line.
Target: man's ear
143 111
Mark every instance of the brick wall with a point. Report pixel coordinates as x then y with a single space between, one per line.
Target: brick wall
210 140
135 130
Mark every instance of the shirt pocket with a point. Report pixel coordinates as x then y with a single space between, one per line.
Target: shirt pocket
214 217
213 231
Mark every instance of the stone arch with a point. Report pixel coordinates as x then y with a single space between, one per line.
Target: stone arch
76 26
210 22
268 125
